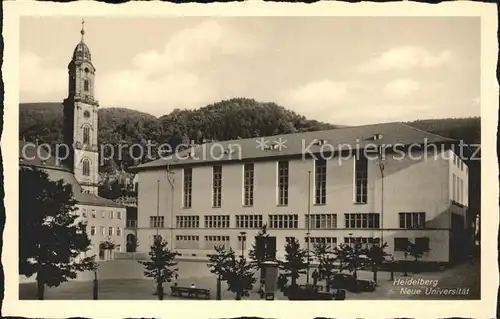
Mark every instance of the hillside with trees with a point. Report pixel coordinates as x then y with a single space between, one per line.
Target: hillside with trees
224 120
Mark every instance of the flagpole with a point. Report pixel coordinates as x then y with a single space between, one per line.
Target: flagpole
157 207
308 223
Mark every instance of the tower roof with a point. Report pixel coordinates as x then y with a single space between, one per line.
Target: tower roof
82 51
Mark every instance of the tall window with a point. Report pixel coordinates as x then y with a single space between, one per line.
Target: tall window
361 179
188 187
248 184
454 188
86 85
86 135
461 194
411 220
320 181
217 186
86 167
283 183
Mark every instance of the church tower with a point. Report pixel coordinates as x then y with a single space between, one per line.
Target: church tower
80 118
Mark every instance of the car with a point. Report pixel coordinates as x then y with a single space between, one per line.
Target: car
349 283
343 281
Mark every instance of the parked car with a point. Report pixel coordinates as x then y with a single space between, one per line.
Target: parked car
349 283
343 281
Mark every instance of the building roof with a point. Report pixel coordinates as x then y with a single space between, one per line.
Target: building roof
353 138
32 156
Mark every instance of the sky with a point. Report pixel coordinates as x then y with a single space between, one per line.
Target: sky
342 70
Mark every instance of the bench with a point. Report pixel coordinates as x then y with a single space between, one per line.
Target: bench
188 292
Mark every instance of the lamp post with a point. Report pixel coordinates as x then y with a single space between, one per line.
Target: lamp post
171 180
96 285
381 167
308 234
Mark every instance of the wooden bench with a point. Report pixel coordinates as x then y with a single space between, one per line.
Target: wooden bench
188 292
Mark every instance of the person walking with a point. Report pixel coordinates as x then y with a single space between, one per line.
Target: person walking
315 276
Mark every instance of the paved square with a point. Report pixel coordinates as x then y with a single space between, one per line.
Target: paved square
124 280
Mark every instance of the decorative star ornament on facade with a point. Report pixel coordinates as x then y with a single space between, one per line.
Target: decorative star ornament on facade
262 144
280 144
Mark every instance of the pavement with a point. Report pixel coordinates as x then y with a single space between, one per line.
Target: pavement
124 280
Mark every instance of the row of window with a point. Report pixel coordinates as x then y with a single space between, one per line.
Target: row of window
110 231
457 161
361 183
400 243
110 214
282 221
457 193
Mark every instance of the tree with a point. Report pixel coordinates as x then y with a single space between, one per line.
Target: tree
259 252
376 256
52 239
239 276
236 272
218 264
326 258
416 251
294 264
352 257
161 264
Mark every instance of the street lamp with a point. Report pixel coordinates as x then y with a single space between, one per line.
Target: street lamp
96 285
381 167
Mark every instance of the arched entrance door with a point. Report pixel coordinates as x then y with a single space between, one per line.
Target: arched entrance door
131 243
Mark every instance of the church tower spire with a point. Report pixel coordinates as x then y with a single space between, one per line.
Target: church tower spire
80 117
82 32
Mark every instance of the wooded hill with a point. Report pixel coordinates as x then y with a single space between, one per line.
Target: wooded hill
225 120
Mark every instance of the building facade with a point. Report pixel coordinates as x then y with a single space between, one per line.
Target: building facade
196 201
